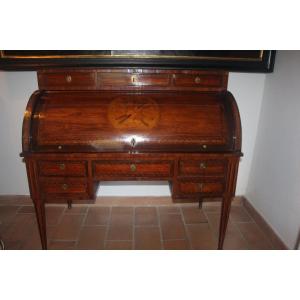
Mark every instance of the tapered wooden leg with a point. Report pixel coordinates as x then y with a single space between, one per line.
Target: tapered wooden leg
69 204
41 219
200 200
225 211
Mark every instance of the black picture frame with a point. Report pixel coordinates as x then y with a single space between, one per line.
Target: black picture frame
230 60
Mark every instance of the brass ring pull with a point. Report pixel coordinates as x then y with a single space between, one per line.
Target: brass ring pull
198 79
202 165
69 78
64 186
62 166
133 167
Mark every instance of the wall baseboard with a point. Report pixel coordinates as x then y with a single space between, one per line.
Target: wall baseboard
264 226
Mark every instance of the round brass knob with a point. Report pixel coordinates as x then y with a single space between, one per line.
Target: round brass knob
62 166
59 147
69 78
202 165
197 79
204 146
64 186
133 167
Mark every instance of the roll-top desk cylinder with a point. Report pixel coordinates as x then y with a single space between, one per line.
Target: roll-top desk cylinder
84 126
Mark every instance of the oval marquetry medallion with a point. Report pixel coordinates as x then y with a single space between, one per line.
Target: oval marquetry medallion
142 113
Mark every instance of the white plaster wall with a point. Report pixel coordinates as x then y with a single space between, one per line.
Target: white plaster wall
16 87
274 183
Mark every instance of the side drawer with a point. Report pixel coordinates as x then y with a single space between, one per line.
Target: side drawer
64 188
186 80
203 167
197 187
73 80
132 168
62 168
118 80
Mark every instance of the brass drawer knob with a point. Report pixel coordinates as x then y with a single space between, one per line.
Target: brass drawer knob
69 78
204 146
59 147
198 80
64 186
133 167
62 166
202 165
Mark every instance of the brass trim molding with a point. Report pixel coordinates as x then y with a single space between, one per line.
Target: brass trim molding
137 56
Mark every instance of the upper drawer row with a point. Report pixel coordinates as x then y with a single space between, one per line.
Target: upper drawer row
131 80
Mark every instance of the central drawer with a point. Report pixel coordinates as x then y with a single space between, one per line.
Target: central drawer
132 168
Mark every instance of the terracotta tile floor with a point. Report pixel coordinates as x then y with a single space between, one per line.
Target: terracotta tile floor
129 227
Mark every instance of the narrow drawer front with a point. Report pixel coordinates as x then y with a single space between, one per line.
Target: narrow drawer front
62 168
67 80
64 186
202 167
198 80
132 169
122 80
199 187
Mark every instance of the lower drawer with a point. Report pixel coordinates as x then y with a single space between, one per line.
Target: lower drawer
200 187
55 188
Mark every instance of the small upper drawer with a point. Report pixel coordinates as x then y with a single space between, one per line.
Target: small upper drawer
62 168
202 167
132 80
209 81
73 80
132 169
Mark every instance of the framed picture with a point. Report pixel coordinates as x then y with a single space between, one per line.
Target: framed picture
231 60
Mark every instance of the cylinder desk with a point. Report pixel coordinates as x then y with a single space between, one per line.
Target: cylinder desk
85 125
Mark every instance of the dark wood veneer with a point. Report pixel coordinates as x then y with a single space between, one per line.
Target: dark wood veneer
89 125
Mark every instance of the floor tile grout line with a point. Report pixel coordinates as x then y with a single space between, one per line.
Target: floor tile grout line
185 229
107 228
244 238
133 228
215 235
81 226
264 236
159 228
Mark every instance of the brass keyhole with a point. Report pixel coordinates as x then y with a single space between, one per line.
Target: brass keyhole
133 142
134 79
